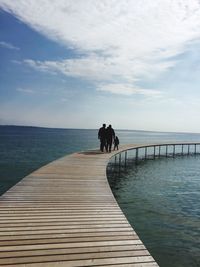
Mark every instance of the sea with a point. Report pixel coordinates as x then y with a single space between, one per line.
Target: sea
161 198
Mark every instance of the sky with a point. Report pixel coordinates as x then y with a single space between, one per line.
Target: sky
78 64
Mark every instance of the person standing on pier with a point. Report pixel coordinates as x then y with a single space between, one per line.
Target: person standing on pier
110 136
116 142
102 137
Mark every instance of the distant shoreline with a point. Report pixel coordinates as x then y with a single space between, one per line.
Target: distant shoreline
60 128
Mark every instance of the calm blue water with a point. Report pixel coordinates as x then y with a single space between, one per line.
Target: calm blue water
25 149
160 198
161 201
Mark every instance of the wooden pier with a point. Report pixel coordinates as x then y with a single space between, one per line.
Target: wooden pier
64 214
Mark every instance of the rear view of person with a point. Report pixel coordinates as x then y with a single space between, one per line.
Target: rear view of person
110 135
116 143
102 137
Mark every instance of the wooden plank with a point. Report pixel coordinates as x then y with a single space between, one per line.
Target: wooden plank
72 250
70 235
134 261
51 240
68 257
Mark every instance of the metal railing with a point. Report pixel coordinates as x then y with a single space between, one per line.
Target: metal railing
134 155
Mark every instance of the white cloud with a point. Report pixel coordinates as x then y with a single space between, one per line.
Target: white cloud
128 89
8 45
16 62
64 99
25 90
121 40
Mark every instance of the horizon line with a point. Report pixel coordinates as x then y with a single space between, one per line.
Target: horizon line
72 128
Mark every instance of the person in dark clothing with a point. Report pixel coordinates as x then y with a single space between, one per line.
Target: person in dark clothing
102 137
110 135
116 142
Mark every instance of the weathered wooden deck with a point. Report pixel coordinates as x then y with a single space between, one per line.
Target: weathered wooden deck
64 214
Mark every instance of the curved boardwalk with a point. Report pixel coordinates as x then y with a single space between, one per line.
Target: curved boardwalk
64 214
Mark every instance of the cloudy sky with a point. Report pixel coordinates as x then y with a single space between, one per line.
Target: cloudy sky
77 64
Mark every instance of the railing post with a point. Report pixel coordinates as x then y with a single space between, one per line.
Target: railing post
154 152
182 150
136 155
145 153
166 150
125 158
188 149
159 151
119 162
173 151
195 149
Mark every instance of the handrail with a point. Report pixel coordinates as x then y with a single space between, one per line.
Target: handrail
156 151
